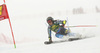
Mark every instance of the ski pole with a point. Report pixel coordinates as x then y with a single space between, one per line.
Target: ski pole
81 26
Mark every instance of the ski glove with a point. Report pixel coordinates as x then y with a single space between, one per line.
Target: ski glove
50 39
64 22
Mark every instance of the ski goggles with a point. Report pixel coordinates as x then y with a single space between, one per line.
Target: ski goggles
49 21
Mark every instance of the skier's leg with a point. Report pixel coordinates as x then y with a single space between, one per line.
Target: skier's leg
59 36
62 31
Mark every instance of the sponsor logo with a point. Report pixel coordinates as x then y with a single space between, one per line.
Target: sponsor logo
54 27
0 10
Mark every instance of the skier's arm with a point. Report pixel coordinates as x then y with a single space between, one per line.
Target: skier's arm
49 33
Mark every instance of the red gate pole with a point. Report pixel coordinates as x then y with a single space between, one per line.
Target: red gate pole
9 24
12 33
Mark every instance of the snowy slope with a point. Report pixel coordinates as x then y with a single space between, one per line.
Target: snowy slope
82 46
30 36
30 27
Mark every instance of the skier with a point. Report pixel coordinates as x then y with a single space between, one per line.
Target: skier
57 26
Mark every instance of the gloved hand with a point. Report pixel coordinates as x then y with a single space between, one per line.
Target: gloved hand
64 22
50 40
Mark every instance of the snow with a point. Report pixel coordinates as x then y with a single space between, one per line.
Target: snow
30 27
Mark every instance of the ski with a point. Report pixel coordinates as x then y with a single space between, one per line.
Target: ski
69 40
61 41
